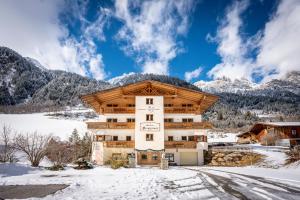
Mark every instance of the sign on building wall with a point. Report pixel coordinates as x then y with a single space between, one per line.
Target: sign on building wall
149 126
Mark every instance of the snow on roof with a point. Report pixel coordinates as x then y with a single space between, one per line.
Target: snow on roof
282 123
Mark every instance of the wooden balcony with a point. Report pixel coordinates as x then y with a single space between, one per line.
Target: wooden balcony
180 144
131 125
131 110
118 144
180 110
118 110
110 125
188 125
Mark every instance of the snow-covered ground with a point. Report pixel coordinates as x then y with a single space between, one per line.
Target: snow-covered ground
221 137
43 124
254 182
106 183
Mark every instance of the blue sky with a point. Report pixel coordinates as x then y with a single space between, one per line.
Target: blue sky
189 39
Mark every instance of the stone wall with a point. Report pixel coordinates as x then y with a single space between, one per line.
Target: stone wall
232 158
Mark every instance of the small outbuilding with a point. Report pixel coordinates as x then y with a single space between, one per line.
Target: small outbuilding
272 133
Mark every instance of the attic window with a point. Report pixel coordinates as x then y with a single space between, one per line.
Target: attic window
149 101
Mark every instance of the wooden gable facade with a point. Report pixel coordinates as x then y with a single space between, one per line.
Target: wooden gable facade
176 99
280 130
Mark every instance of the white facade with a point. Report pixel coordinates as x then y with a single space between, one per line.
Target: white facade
153 127
146 126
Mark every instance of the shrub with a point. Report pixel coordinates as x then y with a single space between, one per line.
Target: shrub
34 145
118 162
293 155
83 164
56 167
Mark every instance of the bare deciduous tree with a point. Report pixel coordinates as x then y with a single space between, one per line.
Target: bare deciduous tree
34 145
59 152
7 150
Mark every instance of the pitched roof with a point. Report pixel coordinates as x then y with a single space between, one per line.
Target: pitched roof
96 99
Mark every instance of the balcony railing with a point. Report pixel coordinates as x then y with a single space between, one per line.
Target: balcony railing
187 125
180 144
131 125
118 144
132 110
180 110
110 125
119 110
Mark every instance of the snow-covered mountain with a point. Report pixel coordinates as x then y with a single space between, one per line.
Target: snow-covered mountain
119 80
289 84
26 80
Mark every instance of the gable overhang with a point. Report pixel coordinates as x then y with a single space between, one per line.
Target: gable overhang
149 88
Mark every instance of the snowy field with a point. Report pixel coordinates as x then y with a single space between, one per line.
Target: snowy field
43 124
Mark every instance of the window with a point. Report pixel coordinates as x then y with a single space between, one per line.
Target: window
112 105
170 138
111 120
202 138
191 138
144 157
187 119
170 157
115 138
169 119
168 105
294 132
131 105
149 117
149 101
154 156
130 119
149 137
184 138
187 105
128 138
130 155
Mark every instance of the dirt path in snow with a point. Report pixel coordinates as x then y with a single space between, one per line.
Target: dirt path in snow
28 191
250 187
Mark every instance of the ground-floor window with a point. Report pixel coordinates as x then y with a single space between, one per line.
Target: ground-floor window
130 155
170 138
170 157
154 157
144 157
183 138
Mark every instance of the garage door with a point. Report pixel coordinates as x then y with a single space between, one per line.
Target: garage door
188 158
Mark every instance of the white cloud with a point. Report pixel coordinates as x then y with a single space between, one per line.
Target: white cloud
192 74
231 46
150 32
33 29
278 49
280 46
